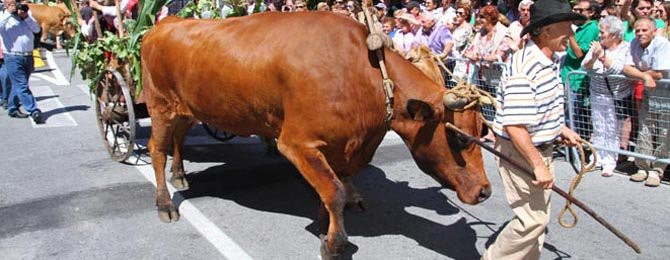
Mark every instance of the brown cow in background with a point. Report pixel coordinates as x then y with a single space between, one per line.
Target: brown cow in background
316 88
52 19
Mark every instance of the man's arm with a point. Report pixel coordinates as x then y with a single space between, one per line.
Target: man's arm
656 75
631 71
574 46
522 141
447 50
31 22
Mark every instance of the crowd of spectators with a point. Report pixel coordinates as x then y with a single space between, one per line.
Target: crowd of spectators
618 37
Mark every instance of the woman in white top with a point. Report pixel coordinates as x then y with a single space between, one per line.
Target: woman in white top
462 30
610 97
404 37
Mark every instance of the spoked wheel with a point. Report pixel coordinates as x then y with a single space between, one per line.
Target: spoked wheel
116 115
216 133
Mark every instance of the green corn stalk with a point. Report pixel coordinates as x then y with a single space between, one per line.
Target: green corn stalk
90 59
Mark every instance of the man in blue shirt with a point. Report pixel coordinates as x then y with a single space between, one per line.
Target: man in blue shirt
16 28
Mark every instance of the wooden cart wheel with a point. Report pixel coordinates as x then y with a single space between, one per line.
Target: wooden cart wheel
116 115
216 133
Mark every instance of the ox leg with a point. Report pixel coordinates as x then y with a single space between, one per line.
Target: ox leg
313 166
45 33
59 42
178 179
354 199
161 136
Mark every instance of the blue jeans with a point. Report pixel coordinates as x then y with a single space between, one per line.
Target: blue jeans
5 85
18 71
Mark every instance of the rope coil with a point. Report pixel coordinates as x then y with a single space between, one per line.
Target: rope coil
584 168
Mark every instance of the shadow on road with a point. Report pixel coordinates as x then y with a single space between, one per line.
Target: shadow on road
40 98
50 113
276 186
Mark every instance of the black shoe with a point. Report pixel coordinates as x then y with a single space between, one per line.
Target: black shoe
18 114
37 117
3 104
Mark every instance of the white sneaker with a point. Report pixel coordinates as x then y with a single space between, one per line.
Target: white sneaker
653 180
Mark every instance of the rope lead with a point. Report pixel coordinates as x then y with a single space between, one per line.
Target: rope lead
584 168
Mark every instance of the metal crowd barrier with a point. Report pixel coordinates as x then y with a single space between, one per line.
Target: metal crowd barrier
485 75
627 109
631 113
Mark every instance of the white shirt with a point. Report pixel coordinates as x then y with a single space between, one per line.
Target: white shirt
403 41
17 34
655 57
448 16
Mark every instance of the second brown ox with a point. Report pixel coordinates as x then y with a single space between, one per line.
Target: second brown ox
315 88
52 19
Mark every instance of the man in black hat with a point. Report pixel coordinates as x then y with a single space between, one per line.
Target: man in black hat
530 119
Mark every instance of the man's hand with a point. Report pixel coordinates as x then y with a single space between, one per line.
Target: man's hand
649 81
570 138
543 177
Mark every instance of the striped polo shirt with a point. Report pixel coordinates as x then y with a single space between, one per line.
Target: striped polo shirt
531 94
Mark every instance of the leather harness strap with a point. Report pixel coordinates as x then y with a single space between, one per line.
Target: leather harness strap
376 41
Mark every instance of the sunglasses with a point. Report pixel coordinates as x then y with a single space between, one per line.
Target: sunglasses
300 6
460 13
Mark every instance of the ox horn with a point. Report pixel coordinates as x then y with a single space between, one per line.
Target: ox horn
453 102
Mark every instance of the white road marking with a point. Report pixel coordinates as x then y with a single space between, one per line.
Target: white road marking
52 108
59 79
38 76
224 244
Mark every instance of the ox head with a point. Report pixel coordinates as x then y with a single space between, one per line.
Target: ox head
440 152
68 26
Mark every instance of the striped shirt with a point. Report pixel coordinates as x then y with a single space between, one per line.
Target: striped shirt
531 94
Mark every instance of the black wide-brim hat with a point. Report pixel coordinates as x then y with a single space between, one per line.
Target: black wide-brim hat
546 12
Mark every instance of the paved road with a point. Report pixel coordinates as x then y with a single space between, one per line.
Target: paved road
61 197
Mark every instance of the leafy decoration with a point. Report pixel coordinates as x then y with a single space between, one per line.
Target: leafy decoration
204 9
91 58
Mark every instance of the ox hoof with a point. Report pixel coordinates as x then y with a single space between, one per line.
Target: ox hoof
168 214
179 182
356 206
325 253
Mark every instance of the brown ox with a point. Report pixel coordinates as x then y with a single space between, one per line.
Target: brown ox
52 19
422 58
316 88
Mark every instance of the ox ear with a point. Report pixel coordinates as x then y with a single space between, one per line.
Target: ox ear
419 110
